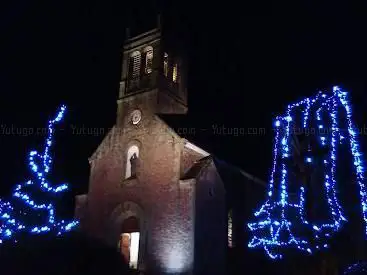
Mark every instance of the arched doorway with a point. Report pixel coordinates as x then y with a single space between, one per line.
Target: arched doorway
129 241
128 228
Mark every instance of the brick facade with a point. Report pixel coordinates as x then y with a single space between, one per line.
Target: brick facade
166 202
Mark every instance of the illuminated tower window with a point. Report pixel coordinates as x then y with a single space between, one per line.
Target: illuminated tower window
165 64
230 236
175 73
148 60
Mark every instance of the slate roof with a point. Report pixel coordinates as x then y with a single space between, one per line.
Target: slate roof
232 177
227 171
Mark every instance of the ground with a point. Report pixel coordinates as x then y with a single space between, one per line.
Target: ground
69 255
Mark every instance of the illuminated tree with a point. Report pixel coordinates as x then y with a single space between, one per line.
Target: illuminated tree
285 220
32 209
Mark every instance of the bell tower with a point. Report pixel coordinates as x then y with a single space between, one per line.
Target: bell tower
153 75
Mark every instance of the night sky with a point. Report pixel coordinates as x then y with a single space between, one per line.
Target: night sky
246 65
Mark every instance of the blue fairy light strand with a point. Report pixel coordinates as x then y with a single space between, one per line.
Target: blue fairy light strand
9 224
357 154
273 222
282 222
356 268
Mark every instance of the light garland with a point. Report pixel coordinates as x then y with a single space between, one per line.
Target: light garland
282 222
40 167
356 268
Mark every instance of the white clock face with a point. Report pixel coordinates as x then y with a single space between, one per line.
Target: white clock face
136 117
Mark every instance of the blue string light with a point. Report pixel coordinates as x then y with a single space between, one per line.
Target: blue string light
40 167
282 218
356 268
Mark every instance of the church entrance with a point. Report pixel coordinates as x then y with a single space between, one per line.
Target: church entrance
129 241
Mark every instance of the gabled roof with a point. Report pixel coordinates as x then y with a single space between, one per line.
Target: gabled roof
172 121
177 123
227 171
105 144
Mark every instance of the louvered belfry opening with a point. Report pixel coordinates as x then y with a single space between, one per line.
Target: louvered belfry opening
134 69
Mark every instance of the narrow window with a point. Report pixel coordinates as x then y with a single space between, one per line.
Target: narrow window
165 64
131 161
135 60
230 235
175 73
148 59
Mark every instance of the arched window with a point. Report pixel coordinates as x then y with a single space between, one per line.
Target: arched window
135 60
165 64
148 59
230 235
131 161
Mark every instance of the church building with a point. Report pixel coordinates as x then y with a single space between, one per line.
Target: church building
167 205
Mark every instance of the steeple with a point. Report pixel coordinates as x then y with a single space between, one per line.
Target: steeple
153 75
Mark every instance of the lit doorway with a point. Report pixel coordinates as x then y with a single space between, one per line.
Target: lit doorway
129 245
129 241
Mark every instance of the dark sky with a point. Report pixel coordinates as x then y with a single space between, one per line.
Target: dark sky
246 65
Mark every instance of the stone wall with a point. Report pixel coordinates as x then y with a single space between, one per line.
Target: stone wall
156 189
